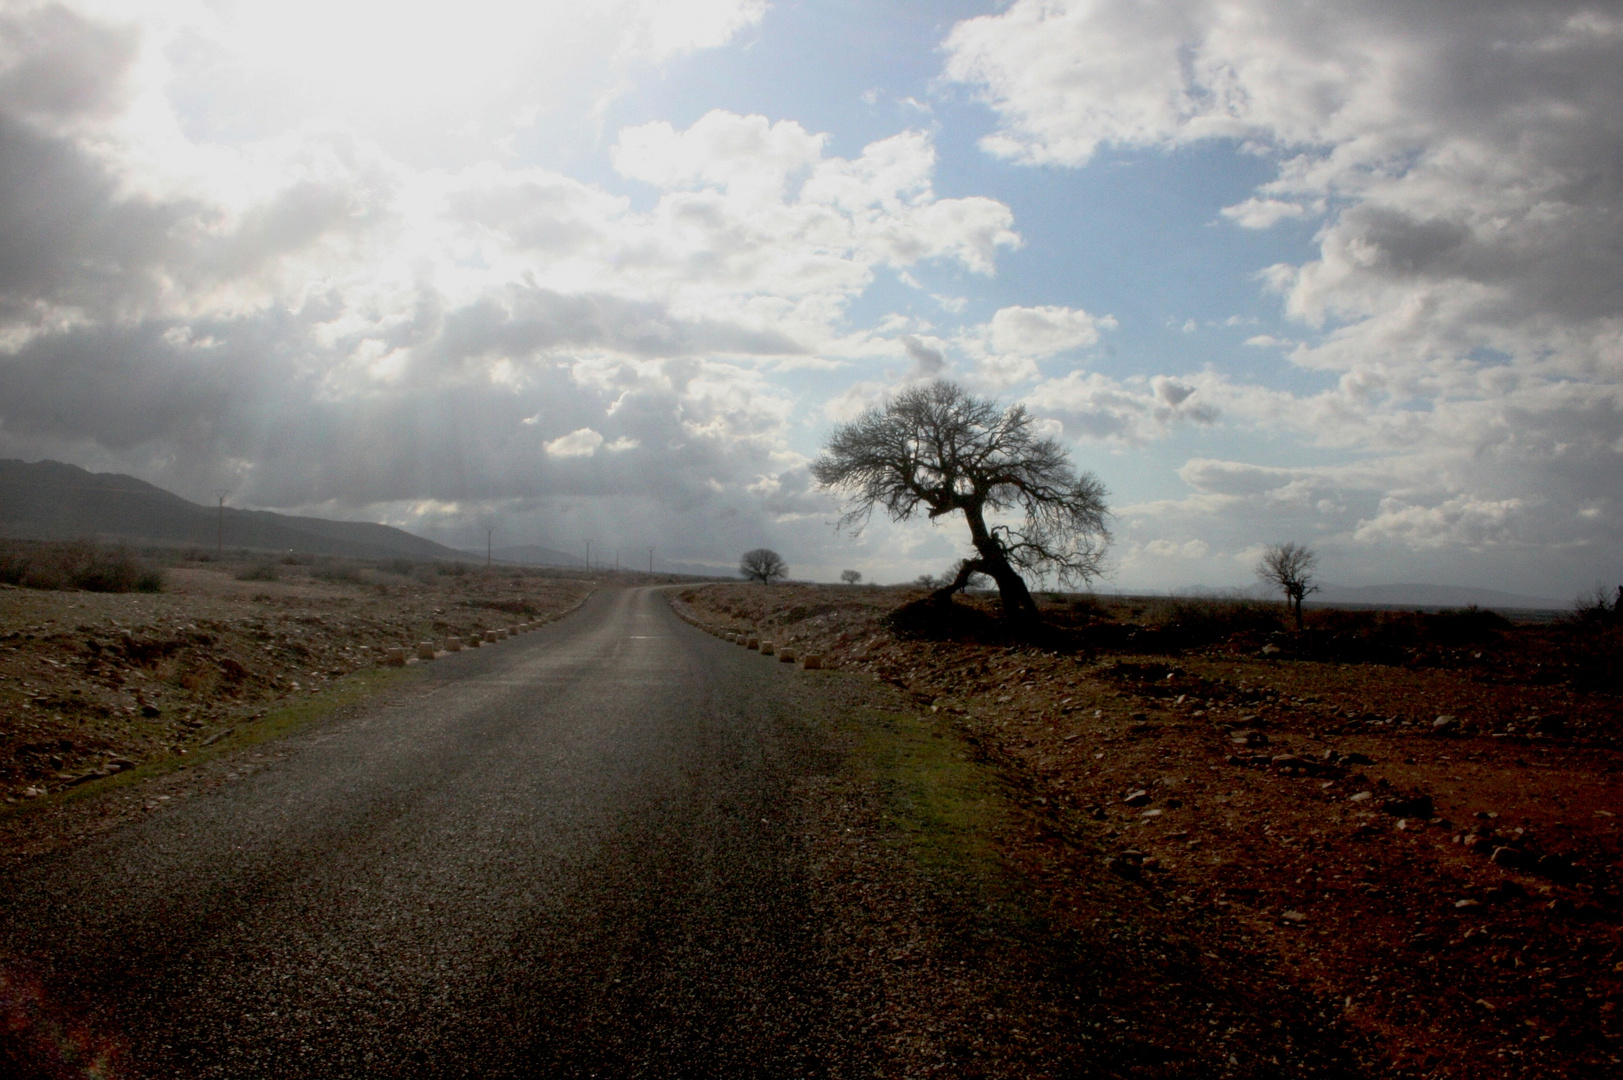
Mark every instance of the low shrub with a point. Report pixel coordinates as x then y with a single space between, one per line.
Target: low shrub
78 564
265 571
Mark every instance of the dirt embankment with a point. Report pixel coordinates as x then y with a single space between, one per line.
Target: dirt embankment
91 682
1414 820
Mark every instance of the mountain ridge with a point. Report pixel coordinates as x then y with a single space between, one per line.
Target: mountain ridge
50 500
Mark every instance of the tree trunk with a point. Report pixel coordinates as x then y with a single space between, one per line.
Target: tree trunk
1018 606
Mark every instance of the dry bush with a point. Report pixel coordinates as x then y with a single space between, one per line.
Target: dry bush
338 572
77 564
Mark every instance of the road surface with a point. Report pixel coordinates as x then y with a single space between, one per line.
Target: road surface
573 854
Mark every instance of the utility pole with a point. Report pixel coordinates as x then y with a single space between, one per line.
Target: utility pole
219 531
490 537
616 560
650 560
588 554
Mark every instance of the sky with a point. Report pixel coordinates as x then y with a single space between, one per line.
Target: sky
1348 274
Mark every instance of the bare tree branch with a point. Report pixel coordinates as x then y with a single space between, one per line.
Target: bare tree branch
1289 567
938 450
763 565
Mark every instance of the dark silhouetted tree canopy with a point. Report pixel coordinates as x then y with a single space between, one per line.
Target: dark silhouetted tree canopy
1289 568
763 565
939 450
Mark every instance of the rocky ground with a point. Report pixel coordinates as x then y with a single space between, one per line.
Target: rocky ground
91 683
1413 822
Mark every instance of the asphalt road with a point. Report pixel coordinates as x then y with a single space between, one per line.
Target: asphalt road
573 854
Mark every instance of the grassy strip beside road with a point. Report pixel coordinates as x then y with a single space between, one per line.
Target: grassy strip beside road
946 805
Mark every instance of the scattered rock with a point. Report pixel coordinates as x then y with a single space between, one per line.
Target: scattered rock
1558 867
1508 857
1415 806
1137 797
1125 867
1361 797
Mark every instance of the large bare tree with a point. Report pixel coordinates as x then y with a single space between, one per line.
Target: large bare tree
936 449
1289 568
763 565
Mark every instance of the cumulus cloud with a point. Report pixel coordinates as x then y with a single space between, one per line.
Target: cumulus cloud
1135 410
291 301
1043 331
1006 348
1466 294
582 442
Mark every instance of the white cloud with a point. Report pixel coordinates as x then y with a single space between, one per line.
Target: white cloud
582 442
1043 331
1465 297
1006 348
1170 549
1459 521
1135 410
1262 213
371 326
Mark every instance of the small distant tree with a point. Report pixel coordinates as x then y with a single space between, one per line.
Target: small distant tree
1289 568
763 565
938 450
850 577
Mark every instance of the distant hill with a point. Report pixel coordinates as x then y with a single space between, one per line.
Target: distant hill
47 500
1408 595
1432 596
528 555
540 555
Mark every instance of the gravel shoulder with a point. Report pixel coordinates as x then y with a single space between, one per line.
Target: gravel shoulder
1265 857
99 683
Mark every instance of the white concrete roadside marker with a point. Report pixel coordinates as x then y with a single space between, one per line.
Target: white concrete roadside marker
453 644
490 635
394 656
813 662
752 643
767 648
425 650
786 656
